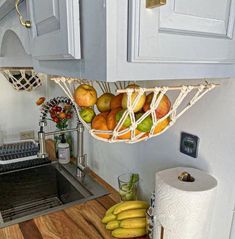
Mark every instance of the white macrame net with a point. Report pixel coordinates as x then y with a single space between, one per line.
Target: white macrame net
196 92
23 79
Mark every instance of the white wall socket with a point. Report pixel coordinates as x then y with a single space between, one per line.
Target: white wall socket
27 135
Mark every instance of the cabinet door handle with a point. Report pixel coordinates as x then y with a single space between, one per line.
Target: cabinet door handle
155 3
25 23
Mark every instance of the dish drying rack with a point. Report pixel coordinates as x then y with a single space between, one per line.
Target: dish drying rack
189 93
19 154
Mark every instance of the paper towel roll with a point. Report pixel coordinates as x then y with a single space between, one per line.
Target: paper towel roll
183 210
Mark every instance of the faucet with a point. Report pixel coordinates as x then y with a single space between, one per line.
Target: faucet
81 157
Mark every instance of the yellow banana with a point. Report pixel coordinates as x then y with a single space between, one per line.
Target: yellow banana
133 223
130 205
136 213
112 225
108 218
111 209
128 233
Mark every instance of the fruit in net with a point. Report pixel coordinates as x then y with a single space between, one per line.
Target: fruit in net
116 101
140 102
111 119
85 95
146 124
104 102
163 107
87 114
161 126
127 121
100 123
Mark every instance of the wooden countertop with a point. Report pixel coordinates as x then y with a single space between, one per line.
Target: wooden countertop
82 221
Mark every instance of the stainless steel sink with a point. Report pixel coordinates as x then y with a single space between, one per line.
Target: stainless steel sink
27 193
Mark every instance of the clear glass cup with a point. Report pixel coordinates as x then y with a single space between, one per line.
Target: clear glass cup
128 185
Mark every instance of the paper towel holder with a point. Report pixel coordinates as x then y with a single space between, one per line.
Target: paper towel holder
186 177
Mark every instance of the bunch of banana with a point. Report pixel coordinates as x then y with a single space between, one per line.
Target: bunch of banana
127 219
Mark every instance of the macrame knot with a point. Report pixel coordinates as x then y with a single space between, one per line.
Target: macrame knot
115 134
133 126
164 90
189 88
184 89
141 91
156 90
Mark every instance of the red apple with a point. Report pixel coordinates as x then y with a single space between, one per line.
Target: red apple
163 107
116 102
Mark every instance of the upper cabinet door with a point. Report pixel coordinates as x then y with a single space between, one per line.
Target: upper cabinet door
182 31
6 6
55 32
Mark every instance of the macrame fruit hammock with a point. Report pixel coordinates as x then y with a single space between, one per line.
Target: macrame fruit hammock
140 113
23 79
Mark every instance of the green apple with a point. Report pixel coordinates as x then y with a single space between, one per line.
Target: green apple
146 124
87 114
127 122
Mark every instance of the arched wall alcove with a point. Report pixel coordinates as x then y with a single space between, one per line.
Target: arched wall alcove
11 45
12 51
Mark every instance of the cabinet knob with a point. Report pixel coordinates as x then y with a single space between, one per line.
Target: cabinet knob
155 3
23 22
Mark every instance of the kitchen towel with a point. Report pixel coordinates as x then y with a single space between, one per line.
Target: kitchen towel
183 208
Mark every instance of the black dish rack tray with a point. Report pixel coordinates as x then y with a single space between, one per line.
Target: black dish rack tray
19 154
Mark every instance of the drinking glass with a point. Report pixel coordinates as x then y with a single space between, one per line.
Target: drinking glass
128 185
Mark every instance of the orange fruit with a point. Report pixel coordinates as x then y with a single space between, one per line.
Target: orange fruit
161 126
111 119
40 101
100 123
128 134
116 101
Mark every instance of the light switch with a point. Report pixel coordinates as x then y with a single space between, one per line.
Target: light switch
189 144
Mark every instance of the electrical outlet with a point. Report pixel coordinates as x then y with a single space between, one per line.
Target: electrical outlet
27 135
189 144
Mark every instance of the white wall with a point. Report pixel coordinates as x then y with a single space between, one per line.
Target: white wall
213 120
18 109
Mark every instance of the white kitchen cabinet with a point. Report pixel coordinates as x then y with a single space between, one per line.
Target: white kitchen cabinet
182 31
6 6
55 31
123 40
140 51
14 39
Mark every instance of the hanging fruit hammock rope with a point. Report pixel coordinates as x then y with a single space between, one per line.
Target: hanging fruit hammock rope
23 79
189 94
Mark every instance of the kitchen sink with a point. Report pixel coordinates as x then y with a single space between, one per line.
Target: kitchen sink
27 193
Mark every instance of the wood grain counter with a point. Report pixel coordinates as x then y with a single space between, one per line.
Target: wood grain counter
82 221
